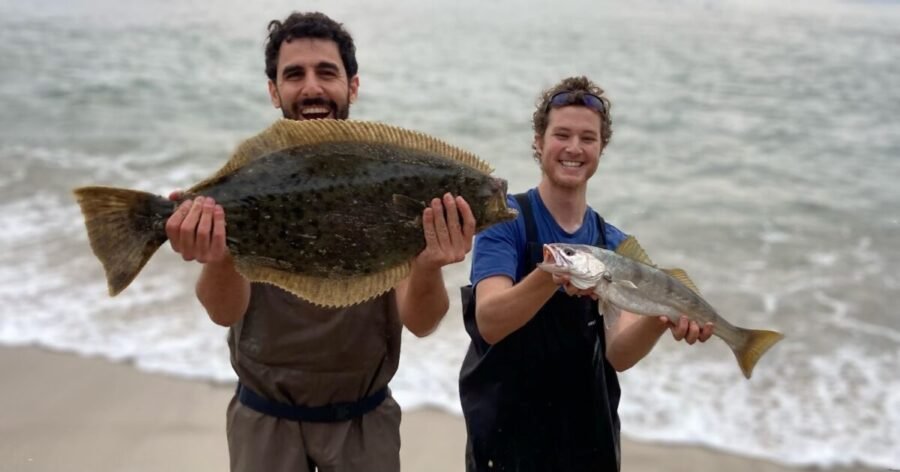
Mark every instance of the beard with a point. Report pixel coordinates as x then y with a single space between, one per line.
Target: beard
337 112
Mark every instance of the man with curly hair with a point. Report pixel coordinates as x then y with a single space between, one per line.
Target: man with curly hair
313 382
538 385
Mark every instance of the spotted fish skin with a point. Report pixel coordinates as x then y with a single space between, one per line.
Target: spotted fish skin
342 209
330 210
627 280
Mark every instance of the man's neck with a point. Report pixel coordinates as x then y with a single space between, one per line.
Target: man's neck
566 205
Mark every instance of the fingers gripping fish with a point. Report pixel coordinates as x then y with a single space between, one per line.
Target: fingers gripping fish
627 280
329 210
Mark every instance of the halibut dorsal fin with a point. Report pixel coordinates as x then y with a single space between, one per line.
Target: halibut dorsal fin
329 293
285 134
681 276
631 249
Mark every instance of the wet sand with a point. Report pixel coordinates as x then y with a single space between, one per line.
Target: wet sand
66 412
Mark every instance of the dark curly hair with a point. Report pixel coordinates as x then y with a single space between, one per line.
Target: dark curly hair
309 25
580 85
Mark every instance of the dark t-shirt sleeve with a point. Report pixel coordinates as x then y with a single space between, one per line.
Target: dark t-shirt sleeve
496 249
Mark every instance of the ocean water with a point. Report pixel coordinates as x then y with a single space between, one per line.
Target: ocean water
755 144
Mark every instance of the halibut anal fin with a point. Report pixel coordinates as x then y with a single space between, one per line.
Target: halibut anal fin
329 293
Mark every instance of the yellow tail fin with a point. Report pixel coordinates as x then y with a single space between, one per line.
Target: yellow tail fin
125 228
757 342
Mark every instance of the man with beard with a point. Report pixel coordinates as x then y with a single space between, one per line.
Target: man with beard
312 391
538 384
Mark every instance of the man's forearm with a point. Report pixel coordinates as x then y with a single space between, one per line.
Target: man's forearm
223 292
632 338
502 311
423 300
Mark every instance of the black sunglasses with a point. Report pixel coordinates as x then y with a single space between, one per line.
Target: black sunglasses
570 98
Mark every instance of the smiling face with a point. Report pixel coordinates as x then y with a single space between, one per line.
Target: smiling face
311 81
570 147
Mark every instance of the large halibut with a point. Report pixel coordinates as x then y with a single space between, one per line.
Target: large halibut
329 210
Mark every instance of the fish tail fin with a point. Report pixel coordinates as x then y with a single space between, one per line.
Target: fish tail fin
125 227
756 343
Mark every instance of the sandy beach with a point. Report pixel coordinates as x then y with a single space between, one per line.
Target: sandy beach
65 412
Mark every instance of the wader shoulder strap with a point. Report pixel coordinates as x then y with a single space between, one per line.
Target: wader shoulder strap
601 228
467 292
525 205
533 254
530 257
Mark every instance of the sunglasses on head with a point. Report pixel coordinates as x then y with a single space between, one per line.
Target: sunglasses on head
571 98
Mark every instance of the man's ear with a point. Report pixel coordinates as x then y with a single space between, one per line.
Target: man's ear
538 144
354 88
273 95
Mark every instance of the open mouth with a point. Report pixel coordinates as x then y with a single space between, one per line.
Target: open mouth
315 112
315 108
571 164
550 257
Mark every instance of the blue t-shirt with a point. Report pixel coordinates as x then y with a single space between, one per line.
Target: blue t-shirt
498 249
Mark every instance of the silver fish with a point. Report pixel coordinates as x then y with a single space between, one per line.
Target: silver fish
627 280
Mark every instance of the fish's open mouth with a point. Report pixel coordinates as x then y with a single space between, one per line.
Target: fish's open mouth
549 255
553 260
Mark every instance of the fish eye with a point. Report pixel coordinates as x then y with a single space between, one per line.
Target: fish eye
569 252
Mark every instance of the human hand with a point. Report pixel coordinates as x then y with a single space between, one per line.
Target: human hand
447 238
565 281
688 330
196 229
571 289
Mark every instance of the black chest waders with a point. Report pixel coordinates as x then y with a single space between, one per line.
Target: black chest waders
544 398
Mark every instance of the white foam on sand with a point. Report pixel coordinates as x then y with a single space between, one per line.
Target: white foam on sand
799 409
823 396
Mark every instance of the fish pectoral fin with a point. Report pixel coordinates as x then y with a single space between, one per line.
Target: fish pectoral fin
407 206
626 284
632 249
681 276
610 314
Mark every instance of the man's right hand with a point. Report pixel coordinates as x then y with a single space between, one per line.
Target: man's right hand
566 283
197 232
197 229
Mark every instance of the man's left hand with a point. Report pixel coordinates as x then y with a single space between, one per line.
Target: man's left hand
688 330
449 226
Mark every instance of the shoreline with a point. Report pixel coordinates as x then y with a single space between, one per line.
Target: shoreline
64 411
